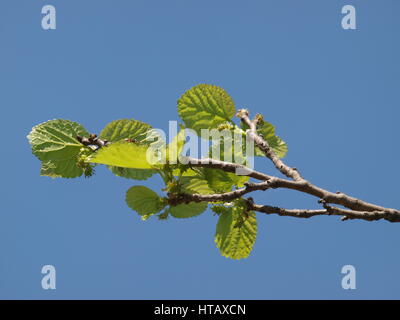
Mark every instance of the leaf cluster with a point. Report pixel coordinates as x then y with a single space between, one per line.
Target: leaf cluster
134 150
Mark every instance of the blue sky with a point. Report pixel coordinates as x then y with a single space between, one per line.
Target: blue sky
333 95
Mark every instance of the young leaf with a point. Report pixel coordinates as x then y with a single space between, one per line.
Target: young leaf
222 181
219 209
188 210
144 201
125 129
236 232
56 139
187 173
123 154
134 130
205 106
196 184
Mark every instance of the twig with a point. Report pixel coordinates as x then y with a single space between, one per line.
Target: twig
175 199
243 114
225 166
346 214
301 185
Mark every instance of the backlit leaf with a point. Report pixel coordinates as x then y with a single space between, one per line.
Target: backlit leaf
56 139
205 106
133 130
122 154
125 129
188 210
236 232
144 201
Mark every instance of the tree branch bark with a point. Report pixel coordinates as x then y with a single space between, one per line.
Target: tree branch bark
329 210
356 208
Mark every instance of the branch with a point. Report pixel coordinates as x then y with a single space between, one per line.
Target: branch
365 215
225 166
358 209
243 114
346 214
297 213
175 199
389 215
384 213
301 185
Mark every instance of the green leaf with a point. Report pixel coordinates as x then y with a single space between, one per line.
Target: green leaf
125 129
122 129
188 210
218 180
236 232
122 154
129 173
208 181
144 201
187 173
60 169
54 142
219 209
196 184
267 131
221 181
238 181
56 139
205 106
278 145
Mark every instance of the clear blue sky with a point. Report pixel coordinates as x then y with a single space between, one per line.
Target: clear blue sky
333 95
